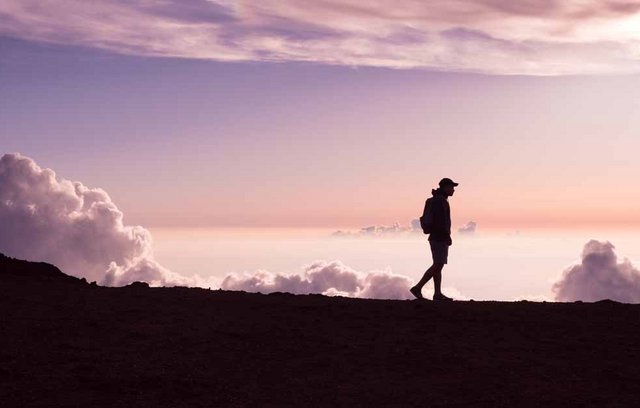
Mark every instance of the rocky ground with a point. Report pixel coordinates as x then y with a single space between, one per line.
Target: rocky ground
64 342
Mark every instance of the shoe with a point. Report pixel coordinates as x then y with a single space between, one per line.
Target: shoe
440 296
417 293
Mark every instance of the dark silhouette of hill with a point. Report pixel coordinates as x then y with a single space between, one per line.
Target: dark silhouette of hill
16 269
64 342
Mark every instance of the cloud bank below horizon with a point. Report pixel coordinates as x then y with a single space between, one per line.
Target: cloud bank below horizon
397 229
327 278
381 230
548 37
469 228
599 276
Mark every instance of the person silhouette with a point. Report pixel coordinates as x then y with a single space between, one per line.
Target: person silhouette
439 238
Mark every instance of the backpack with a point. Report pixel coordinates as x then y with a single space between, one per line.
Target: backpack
426 220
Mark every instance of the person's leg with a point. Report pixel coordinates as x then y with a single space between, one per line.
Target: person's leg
427 275
417 289
440 256
437 280
435 268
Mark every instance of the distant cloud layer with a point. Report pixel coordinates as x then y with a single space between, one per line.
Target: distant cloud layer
539 37
397 229
599 276
469 228
79 229
381 230
329 278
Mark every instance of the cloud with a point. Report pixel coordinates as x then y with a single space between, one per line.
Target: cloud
76 228
80 230
380 230
469 228
328 278
538 37
397 229
599 276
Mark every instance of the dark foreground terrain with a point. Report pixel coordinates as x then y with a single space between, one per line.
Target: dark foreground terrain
64 342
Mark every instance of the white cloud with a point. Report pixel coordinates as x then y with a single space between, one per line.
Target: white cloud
469 228
543 37
76 228
398 229
599 276
328 278
380 230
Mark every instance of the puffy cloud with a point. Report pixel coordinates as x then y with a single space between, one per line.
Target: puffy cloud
328 278
540 37
469 228
599 276
76 228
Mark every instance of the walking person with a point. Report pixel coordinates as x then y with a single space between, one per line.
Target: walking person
438 215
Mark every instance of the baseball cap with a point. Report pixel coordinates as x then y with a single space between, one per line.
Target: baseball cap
447 182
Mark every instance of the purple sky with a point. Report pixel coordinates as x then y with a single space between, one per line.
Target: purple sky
283 139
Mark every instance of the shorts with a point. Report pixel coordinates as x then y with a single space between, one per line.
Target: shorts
439 251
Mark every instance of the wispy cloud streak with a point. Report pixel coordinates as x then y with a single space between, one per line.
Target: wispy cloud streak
542 37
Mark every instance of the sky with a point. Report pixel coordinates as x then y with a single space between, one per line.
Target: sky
225 128
333 115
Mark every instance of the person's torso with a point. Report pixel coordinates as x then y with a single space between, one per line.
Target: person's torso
444 219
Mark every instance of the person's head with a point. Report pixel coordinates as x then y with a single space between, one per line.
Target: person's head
447 186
